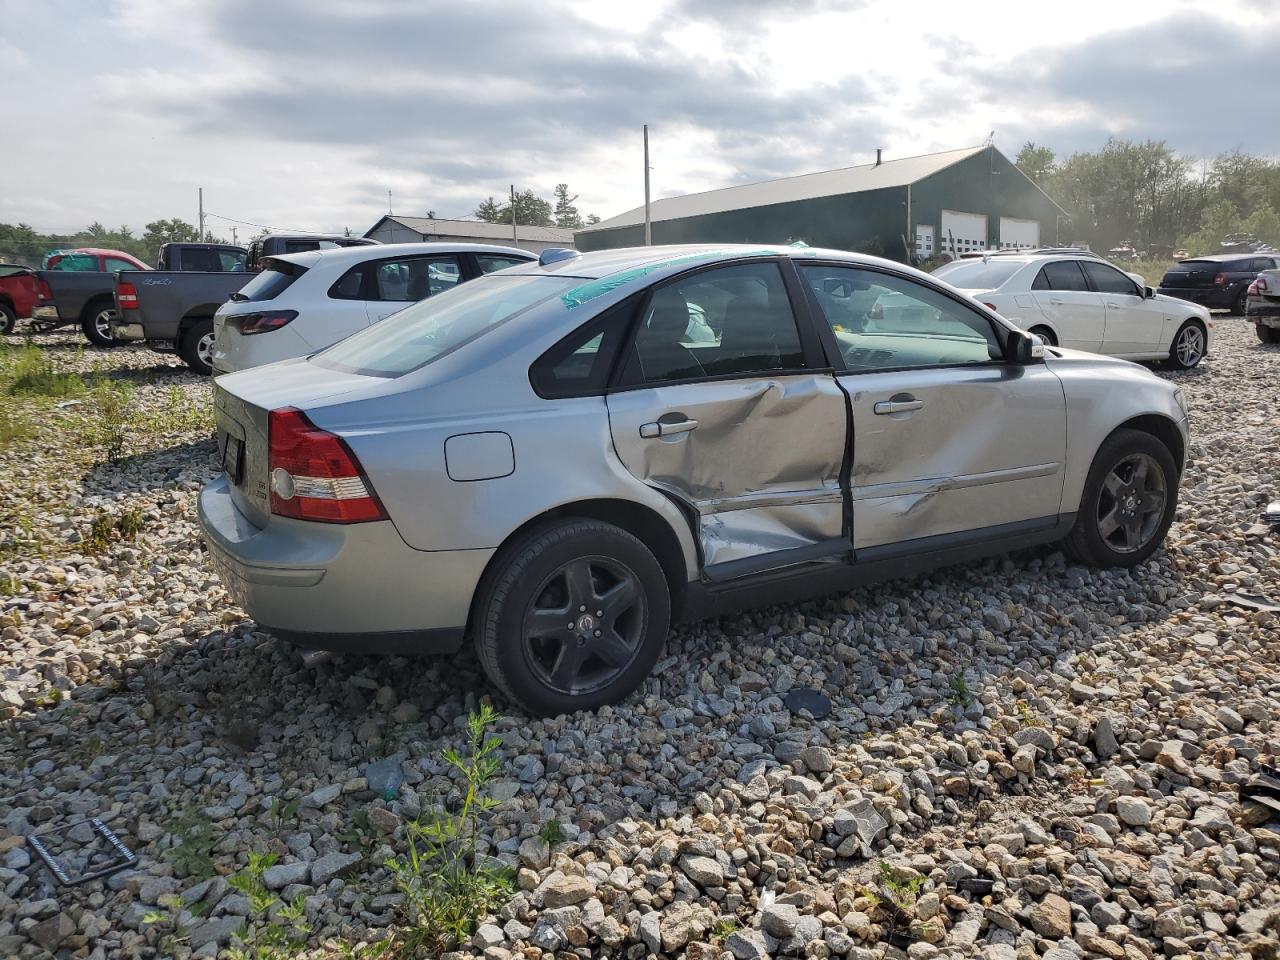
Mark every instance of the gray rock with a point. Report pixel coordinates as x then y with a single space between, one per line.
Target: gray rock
651 932
747 945
283 874
333 865
216 931
487 934
320 797
703 871
1105 744
50 933
780 920
1134 811
559 890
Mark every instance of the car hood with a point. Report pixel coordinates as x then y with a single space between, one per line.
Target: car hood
1067 357
1199 311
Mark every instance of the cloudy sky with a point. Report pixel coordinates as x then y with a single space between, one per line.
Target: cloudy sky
302 114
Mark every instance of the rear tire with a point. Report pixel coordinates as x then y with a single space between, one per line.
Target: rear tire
196 346
1128 503
571 616
1188 346
1267 334
1242 302
96 323
1045 334
8 319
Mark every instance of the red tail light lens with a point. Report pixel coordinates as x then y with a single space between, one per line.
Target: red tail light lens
42 289
127 296
314 474
265 322
1220 280
1260 286
1253 288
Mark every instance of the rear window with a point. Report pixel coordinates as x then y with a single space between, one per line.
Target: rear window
976 275
275 278
439 325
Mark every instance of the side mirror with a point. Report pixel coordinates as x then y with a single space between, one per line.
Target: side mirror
1024 348
1148 293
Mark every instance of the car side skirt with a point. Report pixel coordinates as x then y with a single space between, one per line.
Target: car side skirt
871 565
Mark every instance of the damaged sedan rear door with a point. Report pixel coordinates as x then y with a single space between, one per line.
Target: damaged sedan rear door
725 403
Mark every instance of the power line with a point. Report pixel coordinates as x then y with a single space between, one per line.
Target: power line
263 226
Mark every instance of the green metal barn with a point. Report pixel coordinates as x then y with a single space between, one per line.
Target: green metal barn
960 200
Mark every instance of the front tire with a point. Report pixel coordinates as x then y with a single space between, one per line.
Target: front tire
196 346
1267 334
1128 504
8 319
1188 346
1242 302
571 617
96 323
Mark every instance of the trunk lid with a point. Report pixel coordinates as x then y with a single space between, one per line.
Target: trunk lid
242 405
1191 275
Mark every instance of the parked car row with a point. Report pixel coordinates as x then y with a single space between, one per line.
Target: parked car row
1263 305
557 460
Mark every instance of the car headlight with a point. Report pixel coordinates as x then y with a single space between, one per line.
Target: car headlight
1180 399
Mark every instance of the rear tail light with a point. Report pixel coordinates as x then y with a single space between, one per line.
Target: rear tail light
1220 280
1260 286
314 474
42 289
252 323
127 296
1253 288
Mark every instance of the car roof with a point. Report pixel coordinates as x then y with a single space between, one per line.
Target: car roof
100 252
1220 257
381 251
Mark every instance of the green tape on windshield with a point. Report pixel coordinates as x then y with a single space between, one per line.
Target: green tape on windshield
586 292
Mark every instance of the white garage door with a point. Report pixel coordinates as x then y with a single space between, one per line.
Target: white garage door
968 231
1019 234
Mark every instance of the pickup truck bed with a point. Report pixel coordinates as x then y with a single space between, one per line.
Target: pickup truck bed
172 310
78 296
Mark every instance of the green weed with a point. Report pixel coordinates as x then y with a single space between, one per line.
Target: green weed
960 694
445 889
35 375
15 425
193 854
286 932
552 833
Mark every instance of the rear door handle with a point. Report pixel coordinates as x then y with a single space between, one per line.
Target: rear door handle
1056 302
885 407
1113 306
660 429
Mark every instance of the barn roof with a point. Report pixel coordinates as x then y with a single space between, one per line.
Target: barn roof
808 186
481 230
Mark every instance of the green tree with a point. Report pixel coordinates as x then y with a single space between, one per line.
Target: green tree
1035 161
531 210
592 219
566 213
160 232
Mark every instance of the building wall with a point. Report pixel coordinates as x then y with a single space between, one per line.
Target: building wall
870 222
390 232
986 183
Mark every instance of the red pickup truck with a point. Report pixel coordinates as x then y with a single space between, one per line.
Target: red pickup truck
19 294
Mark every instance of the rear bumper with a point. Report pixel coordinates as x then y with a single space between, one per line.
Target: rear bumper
127 331
1266 312
355 588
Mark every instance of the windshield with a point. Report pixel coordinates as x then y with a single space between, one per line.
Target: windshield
978 274
440 324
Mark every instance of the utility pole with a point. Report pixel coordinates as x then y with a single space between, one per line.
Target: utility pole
388 203
201 215
515 239
233 235
648 231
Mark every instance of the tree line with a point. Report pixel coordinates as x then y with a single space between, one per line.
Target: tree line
21 243
1147 194
531 210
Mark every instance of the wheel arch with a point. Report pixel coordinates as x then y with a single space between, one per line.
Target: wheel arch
1160 427
193 316
102 298
642 522
1045 325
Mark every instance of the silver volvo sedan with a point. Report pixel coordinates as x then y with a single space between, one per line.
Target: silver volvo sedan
561 459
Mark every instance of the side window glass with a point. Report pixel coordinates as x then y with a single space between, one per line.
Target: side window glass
1041 282
115 263
580 364
349 285
1065 275
232 262
489 262
888 322
414 278
300 246
1108 279
726 321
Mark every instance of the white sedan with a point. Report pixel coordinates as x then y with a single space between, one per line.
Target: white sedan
1083 302
303 302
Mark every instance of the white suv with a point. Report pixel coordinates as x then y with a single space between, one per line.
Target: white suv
303 302
1081 301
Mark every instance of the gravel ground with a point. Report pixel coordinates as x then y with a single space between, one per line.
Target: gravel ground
1034 759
